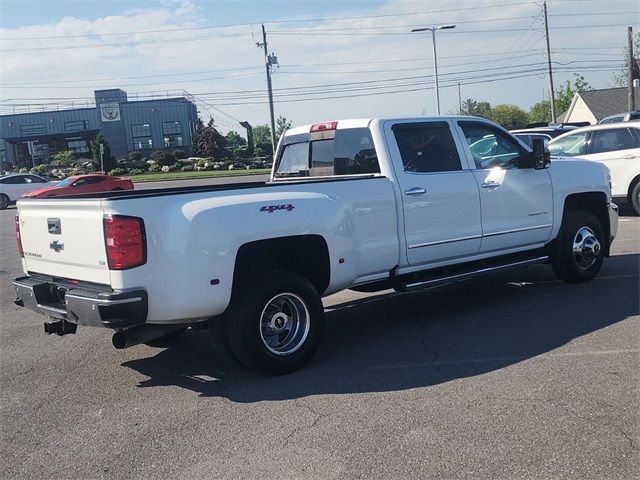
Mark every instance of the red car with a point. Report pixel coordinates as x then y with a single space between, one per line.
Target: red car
79 184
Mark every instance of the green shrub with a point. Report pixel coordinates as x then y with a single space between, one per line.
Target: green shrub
23 170
187 168
118 171
162 157
39 170
136 171
175 166
154 167
135 157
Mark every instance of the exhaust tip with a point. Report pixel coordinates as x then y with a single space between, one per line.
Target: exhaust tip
119 340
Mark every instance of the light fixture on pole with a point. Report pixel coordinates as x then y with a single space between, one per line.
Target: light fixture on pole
435 58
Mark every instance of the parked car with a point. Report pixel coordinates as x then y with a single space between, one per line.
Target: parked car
544 133
362 204
15 185
621 117
617 145
79 184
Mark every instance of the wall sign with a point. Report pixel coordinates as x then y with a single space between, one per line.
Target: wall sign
110 112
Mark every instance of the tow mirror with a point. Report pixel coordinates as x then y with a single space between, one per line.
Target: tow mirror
541 154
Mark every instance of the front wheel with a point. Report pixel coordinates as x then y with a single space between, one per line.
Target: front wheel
581 248
274 322
635 198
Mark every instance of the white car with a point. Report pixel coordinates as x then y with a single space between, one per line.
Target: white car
617 145
13 186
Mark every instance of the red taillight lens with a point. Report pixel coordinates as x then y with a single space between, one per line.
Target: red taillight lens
321 127
18 238
125 241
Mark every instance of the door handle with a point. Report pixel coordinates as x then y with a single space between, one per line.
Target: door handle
415 191
629 156
490 184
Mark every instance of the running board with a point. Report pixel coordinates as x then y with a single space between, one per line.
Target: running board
459 277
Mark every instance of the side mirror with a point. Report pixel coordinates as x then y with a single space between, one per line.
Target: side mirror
541 154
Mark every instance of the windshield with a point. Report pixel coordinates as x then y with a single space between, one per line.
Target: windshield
569 146
66 182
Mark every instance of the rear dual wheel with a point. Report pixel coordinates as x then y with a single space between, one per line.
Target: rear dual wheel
274 322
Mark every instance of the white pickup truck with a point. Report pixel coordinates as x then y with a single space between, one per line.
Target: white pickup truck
365 204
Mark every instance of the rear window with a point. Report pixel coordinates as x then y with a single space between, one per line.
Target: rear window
329 153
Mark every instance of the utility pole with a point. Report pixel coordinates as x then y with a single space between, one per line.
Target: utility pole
459 100
630 69
551 91
268 61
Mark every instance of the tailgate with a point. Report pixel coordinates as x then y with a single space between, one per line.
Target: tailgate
64 238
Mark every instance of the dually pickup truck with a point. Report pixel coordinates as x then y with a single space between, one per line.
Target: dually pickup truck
362 204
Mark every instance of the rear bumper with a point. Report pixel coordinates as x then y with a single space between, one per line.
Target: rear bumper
82 305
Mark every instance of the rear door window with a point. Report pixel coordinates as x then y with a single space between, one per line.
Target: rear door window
329 153
612 140
427 147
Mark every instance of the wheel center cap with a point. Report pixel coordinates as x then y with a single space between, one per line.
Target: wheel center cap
279 320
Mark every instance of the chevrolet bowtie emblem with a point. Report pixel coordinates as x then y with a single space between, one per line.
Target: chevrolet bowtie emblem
56 245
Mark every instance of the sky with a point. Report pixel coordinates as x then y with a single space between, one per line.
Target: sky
336 59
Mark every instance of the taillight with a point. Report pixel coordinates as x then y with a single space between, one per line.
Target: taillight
18 238
321 127
125 241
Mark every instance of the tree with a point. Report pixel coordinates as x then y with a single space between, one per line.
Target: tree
210 142
235 140
509 116
479 109
621 78
262 140
195 141
109 161
64 159
282 125
565 94
540 112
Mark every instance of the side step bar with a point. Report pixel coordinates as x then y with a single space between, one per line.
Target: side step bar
459 277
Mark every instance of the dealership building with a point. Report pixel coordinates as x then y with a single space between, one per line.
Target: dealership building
28 139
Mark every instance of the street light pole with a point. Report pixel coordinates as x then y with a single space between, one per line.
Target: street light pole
435 56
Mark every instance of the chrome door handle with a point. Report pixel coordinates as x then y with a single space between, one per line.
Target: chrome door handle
415 191
629 156
490 184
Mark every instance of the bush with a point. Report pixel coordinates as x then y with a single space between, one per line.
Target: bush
135 157
39 170
175 166
178 154
118 171
162 157
136 171
187 168
64 159
23 170
154 167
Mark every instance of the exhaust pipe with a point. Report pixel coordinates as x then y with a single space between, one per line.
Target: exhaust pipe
141 334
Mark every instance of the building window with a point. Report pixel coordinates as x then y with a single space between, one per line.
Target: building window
33 129
78 146
141 134
172 134
76 126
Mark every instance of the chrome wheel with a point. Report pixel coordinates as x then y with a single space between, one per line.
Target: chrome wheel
586 248
284 324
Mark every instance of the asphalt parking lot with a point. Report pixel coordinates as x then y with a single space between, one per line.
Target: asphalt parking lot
512 376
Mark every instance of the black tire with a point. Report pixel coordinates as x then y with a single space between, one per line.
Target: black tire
262 335
4 201
117 189
581 228
634 199
166 340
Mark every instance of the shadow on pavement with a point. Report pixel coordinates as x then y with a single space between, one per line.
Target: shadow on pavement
395 342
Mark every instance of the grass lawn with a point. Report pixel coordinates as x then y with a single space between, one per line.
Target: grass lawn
159 176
